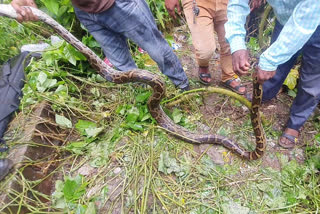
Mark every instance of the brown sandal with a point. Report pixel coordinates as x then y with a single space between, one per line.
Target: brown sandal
236 89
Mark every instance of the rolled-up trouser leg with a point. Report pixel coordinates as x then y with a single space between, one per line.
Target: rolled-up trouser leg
202 32
227 72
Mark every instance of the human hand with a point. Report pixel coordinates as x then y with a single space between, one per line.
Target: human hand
24 14
171 5
240 62
263 75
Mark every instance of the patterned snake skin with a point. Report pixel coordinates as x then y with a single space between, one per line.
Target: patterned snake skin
159 89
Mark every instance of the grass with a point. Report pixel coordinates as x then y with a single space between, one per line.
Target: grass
117 160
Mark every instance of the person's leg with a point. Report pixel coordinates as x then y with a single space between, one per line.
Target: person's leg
308 95
114 45
228 77
273 85
133 20
202 33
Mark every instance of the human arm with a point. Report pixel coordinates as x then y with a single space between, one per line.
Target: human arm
238 11
300 26
171 5
24 14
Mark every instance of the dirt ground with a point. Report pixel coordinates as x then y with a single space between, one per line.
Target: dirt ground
276 111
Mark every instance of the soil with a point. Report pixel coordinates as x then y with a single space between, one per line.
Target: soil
276 111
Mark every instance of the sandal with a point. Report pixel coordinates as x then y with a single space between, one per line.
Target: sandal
204 75
292 141
236 89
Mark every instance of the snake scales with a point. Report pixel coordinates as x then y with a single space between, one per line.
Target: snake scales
158 87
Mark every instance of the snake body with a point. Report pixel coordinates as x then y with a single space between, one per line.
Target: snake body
158 86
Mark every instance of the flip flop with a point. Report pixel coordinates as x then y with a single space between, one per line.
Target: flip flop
204 75
293 141
227 84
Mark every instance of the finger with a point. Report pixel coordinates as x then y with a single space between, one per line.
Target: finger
28 14
242 72
23 15
245 72
245 67
233 63
244 63
237 67
19 18
31 16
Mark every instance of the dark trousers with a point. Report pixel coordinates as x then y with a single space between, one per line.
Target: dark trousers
132 19
309 83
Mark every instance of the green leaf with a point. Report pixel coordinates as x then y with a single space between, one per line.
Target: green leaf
52 6
146 117
74 188
93 132
63 121
317 137
82 125
61 88
49 83
161 163
291 80
42 77
132 114
69 56
253 45
77 147
234 208
177 115
80 209
143 97
135 126
91 209
121 109
170 39
292 93
167 164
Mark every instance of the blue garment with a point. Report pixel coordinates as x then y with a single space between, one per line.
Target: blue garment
300 19
132 19
308 95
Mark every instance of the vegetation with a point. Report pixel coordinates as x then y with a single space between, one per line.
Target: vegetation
115 159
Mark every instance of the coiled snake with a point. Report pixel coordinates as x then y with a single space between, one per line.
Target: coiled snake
159 89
